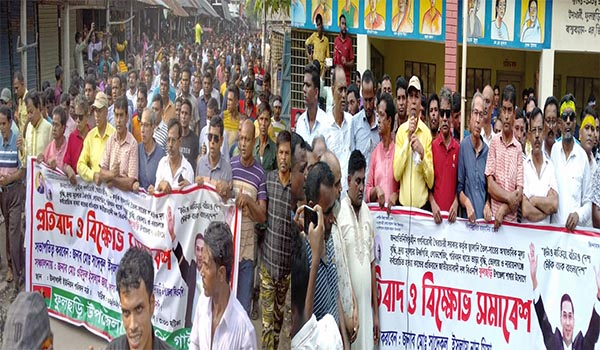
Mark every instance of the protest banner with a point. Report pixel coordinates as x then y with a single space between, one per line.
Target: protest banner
76 236
466 286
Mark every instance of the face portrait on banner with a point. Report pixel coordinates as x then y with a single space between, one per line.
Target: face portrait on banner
349 8
475 12
431 17
324 8
503 16
298 11
374 15
532 30
402 16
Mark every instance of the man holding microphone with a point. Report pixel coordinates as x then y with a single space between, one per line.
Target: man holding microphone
413 159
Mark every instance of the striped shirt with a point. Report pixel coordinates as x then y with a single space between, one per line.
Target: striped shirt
10 162
505 164
251 181
160 135
121 154
326 287
277 246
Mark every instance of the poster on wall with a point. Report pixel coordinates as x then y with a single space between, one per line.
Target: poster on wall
410 19
519 24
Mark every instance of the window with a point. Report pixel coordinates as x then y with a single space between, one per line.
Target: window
581 88
425 71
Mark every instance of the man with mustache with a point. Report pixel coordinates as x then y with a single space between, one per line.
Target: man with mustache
551 123
540 196
574 188
343 55
445 166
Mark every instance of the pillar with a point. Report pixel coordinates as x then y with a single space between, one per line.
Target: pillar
363 53
546 82
450 54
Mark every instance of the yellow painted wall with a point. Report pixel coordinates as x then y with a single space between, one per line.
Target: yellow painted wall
571 64
397 52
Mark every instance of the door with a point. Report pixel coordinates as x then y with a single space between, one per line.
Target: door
504 78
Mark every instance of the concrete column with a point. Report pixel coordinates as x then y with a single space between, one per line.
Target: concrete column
66 46
363 53
450 54
546 75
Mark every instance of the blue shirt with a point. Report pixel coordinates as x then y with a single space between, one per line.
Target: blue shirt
147 165
471 175
364 137
326 286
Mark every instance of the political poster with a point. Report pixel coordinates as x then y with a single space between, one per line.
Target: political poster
467 286
76 236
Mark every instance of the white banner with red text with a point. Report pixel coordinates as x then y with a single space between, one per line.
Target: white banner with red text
76 236
465 286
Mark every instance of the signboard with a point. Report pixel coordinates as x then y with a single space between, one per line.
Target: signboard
77 235
466 286
577 25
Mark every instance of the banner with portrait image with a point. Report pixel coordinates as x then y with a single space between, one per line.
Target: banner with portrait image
466 286
76 236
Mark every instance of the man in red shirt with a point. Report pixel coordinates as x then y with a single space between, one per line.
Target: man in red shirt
445 164
75 142
343 55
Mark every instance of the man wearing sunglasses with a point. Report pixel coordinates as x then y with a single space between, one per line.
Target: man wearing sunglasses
213 167
574 187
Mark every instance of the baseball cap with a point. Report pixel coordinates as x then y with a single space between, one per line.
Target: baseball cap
414 83
101 101
27 323
5 96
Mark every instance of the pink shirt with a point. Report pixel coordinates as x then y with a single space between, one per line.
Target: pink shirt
123 154
58 154
381 171
505 164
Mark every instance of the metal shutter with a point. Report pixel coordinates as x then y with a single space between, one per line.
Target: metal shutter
49 38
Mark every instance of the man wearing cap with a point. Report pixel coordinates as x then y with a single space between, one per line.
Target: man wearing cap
413 159
277 124
574 188
6 98
93 145
27 324
504 166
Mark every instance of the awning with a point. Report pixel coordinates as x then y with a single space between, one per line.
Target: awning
222 9
154 3
175 8
206 9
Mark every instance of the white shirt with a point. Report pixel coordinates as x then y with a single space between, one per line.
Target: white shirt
132 97
534 185
322 335
303 129
234 331
337 140
487 139
163 172
574 185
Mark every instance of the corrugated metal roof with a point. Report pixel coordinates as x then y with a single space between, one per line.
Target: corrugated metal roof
176 8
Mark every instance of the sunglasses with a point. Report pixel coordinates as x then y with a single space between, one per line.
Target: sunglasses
568 115
213 137
445 113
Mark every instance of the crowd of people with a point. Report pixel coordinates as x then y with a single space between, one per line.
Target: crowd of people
158 118
517 161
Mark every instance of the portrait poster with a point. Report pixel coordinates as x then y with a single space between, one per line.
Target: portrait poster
532 21
403 16
324 8
375 11
502 20
476 16
349 8
431 17
298 12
